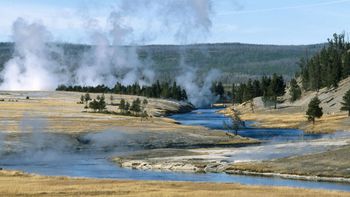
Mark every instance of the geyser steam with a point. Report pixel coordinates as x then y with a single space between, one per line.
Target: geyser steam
31 67
37 62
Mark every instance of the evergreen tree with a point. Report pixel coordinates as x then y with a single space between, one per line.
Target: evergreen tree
276 88
101 103
144 104
136 106
94 105
257 91
82 99
314 110
346 102
127 107
218 89
250 92
294 91
87 97
122 105
346 62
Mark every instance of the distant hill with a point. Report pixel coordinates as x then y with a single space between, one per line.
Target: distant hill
237 61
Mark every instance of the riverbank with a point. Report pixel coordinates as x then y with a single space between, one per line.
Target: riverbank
332 165
20 184
320 164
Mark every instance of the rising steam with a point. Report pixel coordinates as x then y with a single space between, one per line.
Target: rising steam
37 64
31 67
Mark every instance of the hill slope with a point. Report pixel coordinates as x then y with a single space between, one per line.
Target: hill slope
292 115
237 61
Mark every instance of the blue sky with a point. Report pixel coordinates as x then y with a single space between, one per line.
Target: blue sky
247 21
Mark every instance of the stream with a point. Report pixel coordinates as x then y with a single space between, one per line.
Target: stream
92 163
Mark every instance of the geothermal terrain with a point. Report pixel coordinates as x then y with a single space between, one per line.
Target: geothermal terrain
47 124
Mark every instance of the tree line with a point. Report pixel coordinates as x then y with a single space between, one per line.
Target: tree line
156 90
327 67
269 87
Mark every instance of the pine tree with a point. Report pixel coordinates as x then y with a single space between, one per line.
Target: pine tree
346 103
136 106
144 104
276 88
127 107
122 105
101 103
87 97
94 105
294 91
82 99
314 110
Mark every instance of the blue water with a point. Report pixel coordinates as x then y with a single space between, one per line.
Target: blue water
95 164
88 165
210 119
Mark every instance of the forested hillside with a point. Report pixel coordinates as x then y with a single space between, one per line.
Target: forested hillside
328 67
237 61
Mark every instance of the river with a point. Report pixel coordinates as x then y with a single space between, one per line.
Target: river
95 164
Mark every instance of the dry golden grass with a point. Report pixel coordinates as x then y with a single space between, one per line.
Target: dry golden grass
63 114
18 184
293 118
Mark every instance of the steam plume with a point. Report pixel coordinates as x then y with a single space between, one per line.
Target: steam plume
109 60
31 67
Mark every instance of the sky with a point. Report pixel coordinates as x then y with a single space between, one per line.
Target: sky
246 21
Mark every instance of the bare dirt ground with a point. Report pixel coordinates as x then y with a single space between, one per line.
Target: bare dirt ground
19 184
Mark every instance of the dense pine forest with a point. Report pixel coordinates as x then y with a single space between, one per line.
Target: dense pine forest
329 66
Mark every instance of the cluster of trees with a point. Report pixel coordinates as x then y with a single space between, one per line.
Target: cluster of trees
218 89
97 105
328 67
156 90
268 87
136 108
